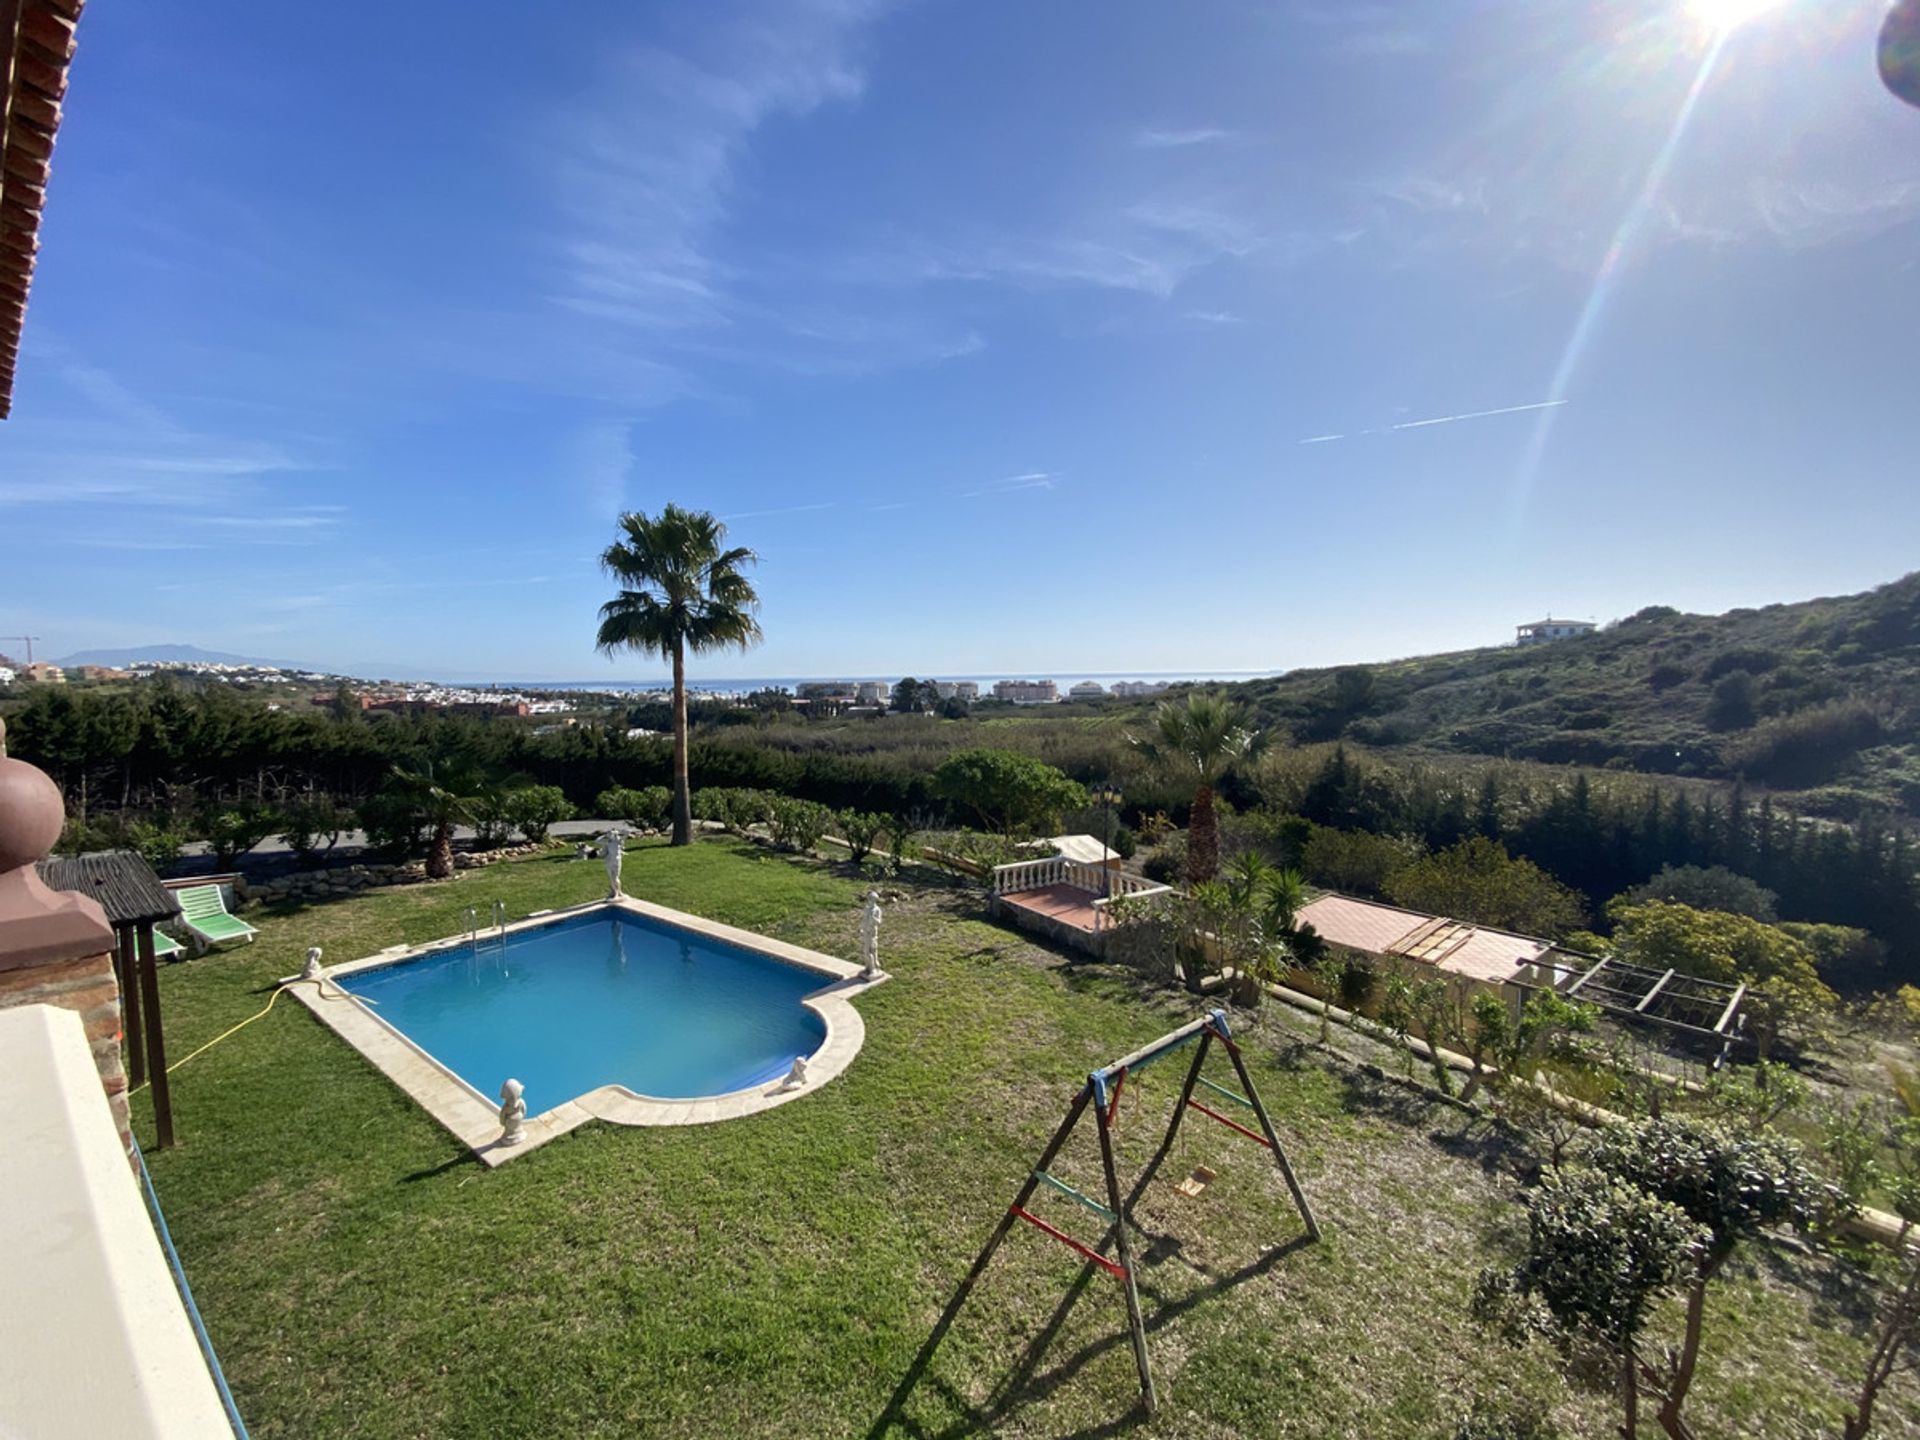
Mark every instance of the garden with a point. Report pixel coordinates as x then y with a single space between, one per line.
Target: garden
790 1272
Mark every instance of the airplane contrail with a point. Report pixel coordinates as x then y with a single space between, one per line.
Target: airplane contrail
1436 420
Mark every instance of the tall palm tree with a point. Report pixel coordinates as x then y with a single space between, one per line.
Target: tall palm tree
680 590
1201 739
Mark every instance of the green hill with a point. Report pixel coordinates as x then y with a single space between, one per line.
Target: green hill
1820 697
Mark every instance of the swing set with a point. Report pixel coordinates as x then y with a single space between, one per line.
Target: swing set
1101 1094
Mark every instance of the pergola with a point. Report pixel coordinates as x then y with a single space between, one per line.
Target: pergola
36 44
1685 1005
134 901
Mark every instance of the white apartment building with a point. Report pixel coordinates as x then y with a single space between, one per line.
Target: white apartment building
1134 689
1026 692
1087 690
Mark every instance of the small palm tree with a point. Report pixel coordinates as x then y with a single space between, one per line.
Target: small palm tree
1201 739
680 590
443 793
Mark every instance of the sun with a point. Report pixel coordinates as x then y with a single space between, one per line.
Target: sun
1721 16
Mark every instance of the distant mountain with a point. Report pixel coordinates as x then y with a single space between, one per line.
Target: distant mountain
1820 697
167 655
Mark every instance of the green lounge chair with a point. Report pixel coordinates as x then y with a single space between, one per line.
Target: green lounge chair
165 947
205 913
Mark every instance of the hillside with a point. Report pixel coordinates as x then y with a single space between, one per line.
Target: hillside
1821 697
164 655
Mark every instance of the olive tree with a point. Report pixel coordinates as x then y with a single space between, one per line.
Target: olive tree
1733 1184
1600 1254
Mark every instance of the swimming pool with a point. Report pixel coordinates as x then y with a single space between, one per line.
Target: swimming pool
602 999
620 1011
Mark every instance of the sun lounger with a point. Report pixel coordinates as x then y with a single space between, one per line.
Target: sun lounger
205 913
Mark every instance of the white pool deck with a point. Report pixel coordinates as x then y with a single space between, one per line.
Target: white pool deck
474 1119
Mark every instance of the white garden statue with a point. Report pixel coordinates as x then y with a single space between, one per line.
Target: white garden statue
870 936
611 846
313 970
513 1113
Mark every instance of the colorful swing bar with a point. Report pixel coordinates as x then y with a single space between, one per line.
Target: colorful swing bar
1102 1093
1072 1194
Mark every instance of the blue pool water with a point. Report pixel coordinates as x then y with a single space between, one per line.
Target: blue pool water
602 999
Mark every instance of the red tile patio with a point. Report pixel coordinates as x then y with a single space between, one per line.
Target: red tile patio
1068 904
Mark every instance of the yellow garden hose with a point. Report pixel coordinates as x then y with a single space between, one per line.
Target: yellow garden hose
283 987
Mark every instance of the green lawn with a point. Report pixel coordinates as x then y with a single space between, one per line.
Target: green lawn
778 1275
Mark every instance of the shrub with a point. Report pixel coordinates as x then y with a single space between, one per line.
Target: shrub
1006 791
860 829
1145 937
158 845
1807 747
314 823
1732 705
1665 677
492 826
235 829
534 808
1167 862
1355 860
393 824
1712 887
647 808
799 824
1478 881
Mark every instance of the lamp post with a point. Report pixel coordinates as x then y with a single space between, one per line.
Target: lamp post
1108 794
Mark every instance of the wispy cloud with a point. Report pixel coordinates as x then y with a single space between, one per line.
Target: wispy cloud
781 510
1434 420
1013 485
1181 139
1215 317
647 160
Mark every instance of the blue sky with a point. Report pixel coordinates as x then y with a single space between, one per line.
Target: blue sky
999 329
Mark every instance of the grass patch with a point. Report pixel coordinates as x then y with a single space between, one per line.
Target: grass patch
777 1275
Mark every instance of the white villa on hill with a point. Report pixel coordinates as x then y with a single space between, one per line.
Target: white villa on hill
1539 632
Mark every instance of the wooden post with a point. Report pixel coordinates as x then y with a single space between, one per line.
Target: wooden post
156 1046
1273 1141
126 964
1020 1201
1135 1322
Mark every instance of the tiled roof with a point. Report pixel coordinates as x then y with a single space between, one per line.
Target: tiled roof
1450 945
36 45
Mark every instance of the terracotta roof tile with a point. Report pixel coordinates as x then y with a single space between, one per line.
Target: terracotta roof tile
34 53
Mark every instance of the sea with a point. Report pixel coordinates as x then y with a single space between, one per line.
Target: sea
745 685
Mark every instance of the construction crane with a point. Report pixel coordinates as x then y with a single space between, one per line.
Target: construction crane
28 638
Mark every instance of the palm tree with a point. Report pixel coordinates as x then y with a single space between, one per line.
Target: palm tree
679 591
1201 739
443 794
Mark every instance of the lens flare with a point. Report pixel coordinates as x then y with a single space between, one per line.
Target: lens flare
1721 16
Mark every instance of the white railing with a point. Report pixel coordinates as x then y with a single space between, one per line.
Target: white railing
1029 875
1057 870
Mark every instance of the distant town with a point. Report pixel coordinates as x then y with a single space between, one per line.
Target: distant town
819 696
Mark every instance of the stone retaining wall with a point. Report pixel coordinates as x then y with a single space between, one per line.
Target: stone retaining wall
350 879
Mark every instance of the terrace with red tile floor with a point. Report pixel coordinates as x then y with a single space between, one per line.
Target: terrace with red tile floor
1068 904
